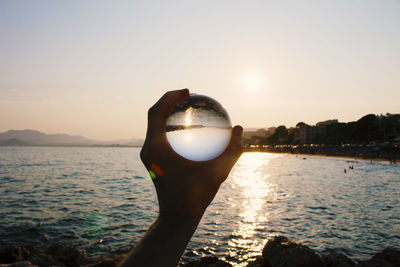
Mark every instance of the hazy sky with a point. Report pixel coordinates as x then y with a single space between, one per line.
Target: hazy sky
95 67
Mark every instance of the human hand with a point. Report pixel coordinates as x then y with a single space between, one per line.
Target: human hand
184 187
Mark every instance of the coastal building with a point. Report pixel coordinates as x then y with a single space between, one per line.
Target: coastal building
391 129
307 134
304 134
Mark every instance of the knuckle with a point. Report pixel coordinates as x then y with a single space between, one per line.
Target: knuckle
167 94
152 111
167 99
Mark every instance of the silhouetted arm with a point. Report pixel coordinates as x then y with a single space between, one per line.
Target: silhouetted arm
184 188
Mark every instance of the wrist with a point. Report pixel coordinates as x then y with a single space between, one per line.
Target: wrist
186 220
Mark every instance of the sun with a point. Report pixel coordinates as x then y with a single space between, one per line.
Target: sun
252 81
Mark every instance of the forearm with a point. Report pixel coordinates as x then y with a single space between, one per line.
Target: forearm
164 242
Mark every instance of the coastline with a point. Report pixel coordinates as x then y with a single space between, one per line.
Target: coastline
349 158
392 155
71 145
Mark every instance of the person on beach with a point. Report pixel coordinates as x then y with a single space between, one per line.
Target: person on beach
184 188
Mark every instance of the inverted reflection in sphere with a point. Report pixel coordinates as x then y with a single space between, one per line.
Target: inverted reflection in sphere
198 128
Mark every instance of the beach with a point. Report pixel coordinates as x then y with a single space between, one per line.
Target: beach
352 151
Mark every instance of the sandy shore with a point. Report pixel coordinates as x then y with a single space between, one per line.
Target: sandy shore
351 155
304 155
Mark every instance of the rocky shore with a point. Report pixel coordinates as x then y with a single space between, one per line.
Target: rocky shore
278 252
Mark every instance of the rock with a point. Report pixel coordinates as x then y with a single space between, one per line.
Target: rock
208 262
10 254
388 257
259 262
281 252
69 256
374 263
40 258
106 261
337 260
19 264
45 260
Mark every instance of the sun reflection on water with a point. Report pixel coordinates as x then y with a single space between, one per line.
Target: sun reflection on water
250 177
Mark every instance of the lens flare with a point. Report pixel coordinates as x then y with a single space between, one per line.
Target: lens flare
157 169
152 174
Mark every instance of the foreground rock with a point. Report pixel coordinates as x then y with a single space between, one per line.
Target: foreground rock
337 259
386 258
107 261
69 256
278 252
19 264
281 252
10 254
56 255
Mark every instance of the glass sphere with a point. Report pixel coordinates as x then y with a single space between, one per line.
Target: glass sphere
198 128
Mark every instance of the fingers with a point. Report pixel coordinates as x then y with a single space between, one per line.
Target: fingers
235 148
159 111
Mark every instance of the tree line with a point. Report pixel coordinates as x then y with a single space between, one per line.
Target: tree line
368 129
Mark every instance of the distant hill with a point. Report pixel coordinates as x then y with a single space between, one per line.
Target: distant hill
12 142
36 138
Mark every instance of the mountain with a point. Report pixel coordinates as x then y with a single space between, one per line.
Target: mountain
31 137
12 142
36 138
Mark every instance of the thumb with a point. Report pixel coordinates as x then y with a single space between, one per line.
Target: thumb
234 148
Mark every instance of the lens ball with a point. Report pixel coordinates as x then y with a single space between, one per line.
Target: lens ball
198 128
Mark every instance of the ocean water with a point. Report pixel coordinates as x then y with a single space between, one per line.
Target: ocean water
102 199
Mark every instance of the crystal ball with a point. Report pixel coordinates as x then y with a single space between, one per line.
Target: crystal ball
198 128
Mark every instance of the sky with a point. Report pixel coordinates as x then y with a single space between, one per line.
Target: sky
93 68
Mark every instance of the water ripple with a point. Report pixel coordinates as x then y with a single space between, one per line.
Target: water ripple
101 199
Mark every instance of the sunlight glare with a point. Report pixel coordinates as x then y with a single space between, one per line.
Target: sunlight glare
252 81
251 177
188 116
188 137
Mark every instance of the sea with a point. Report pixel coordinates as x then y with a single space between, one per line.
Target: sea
101 199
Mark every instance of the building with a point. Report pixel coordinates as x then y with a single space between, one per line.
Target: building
307 134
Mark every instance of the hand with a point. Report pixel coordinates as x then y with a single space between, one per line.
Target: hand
183 187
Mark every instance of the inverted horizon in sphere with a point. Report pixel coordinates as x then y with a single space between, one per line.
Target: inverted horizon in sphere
199 128
199 144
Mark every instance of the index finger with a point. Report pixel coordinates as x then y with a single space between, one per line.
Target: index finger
157 114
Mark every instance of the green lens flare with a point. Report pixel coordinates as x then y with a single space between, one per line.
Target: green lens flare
152 175
94 225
